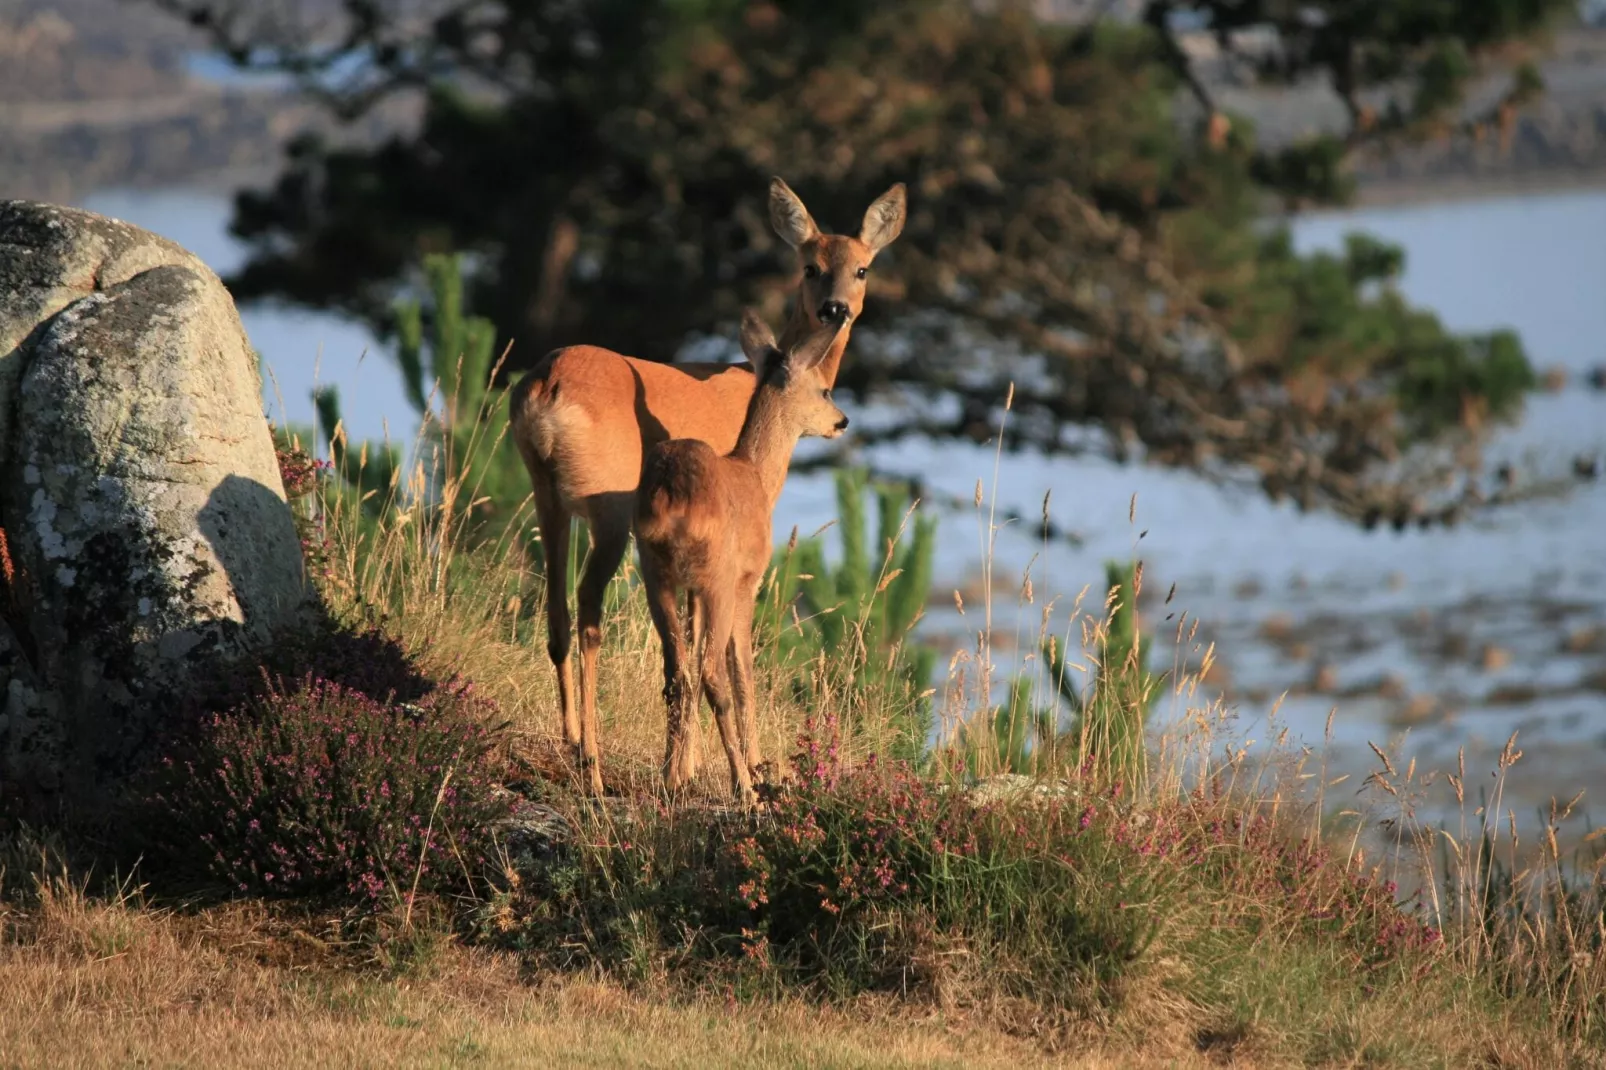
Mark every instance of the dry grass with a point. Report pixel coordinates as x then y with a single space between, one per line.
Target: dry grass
91 982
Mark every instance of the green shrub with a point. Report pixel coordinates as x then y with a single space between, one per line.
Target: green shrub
854 864
861 612
1109 718
447 361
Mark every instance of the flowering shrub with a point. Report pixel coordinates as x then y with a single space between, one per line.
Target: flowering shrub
299 470
874 876
853 861
321 789
1061 886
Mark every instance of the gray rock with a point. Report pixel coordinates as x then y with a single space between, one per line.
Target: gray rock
533 836
140 497
1019 788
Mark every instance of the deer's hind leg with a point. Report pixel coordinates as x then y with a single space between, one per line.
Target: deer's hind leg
608 519
555 521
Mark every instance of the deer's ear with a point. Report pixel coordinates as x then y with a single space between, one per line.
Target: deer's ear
809 352
758 341
883 220
788 216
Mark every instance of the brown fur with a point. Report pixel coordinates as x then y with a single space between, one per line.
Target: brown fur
702 524
584 418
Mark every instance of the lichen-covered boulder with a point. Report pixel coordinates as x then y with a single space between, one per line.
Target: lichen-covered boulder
145 527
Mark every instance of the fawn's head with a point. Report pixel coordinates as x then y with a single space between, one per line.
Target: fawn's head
835 267
798 392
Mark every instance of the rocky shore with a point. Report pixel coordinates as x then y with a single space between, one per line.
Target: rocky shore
99 94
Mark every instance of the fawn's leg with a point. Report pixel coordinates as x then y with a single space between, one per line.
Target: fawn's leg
555 520
716 685
689 757
679 697
610 536
741 668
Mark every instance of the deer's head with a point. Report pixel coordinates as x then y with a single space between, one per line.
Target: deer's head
800 394
835 267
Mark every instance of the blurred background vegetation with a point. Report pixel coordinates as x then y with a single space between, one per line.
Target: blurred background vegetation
1087 221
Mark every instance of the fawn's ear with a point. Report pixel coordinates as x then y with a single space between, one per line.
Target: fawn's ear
788 216
883 220
809 352
758 341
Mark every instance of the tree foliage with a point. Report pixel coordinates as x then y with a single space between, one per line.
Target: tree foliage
1084 220
447 362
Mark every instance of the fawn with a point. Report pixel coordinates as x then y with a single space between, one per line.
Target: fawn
585 417
702 524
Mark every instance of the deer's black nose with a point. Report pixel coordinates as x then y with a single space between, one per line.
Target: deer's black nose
833 312
842 424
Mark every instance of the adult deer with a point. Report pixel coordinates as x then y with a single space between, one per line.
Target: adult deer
585 417
703 526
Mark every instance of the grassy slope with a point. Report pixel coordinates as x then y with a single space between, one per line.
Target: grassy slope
97 980
102 982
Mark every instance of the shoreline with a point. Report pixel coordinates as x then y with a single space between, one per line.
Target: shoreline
1420 192
1383 194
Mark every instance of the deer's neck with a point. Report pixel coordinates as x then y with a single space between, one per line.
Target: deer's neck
799 325
767 442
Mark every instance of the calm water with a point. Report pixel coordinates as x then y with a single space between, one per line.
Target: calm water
1418 606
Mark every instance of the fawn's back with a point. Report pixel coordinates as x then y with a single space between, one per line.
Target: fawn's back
705 517
702 515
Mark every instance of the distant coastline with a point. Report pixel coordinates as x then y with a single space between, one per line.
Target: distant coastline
1453 189
97 95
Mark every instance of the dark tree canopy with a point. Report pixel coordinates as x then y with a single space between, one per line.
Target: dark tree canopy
1083 220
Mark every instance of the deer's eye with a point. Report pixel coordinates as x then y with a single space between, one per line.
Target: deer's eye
810 271
827 394
861 273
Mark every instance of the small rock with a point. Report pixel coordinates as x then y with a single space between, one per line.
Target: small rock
1391 686
1017 787
1418 709
1554 379
1216 675
1584 640
1493 658
1324 680
533 835
1277 627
